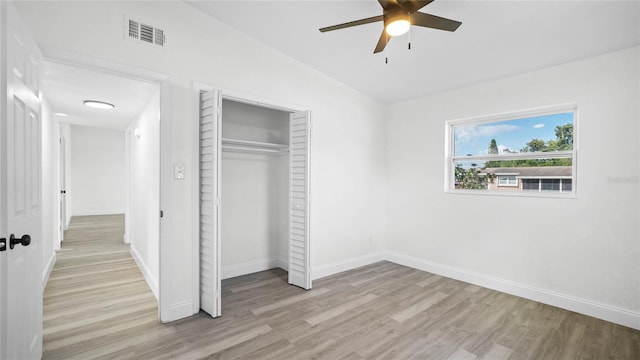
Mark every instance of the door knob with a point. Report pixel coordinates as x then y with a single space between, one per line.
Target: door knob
3 244
25 240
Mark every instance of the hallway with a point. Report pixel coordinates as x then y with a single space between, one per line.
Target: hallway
96 298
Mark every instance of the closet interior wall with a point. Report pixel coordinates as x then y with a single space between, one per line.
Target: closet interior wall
254 189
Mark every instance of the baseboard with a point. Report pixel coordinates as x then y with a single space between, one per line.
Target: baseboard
249 268
144 269
282 264
601 311
316 273
344 265
98 212
48 269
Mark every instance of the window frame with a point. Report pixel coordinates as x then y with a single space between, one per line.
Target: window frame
507 177
450 159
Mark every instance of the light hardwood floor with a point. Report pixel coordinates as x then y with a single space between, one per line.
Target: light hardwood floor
97 305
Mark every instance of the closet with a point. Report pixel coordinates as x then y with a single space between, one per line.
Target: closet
254 192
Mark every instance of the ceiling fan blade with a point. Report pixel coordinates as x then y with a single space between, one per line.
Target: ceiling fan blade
382 42
352 23
434 22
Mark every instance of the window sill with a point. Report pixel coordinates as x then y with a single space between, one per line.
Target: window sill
532 194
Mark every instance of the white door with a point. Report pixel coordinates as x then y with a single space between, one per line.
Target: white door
299 252
21 272
63 189
210 268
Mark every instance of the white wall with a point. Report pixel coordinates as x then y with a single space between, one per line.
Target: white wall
254 208
577 253
97 171
348 175
49 193
143 218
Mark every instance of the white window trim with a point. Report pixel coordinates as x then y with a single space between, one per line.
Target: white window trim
449 159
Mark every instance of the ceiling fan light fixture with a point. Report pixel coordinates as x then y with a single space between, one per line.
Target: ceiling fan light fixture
398 27
397 24
98 104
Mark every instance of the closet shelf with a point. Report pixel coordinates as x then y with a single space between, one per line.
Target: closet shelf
253 146
228 141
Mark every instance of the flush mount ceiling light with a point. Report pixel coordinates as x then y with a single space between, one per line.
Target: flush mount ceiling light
60 114
98 104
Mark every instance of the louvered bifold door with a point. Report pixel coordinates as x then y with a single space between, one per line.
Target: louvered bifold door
299 252
210 105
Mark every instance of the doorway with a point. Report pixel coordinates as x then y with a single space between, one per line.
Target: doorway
267 182
108 159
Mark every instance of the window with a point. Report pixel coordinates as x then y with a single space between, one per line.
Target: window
557 185
507 180
521 153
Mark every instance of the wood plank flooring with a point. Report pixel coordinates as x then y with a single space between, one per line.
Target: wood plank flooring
97 306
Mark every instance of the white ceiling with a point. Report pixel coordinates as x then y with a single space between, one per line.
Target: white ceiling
68 86
496 39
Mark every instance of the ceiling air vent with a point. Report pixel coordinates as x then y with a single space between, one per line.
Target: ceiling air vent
159 37
140 31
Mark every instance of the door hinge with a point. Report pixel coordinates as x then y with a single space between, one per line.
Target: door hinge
161 213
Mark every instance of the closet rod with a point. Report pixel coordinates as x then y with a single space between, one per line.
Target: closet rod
249 143
252 149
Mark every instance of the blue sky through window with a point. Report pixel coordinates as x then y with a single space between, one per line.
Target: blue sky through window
510 135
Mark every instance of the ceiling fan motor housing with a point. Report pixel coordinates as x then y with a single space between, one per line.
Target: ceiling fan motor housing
396 15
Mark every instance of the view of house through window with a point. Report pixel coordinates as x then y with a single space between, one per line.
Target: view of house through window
527 152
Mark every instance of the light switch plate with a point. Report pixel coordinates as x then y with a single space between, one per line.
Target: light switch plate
178 172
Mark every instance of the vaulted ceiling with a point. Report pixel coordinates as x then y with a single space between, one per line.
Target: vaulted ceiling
496 39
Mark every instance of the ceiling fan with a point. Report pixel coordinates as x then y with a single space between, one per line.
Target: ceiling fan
398 16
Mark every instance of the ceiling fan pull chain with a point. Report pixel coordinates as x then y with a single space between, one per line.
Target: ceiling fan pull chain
386 51
409 31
